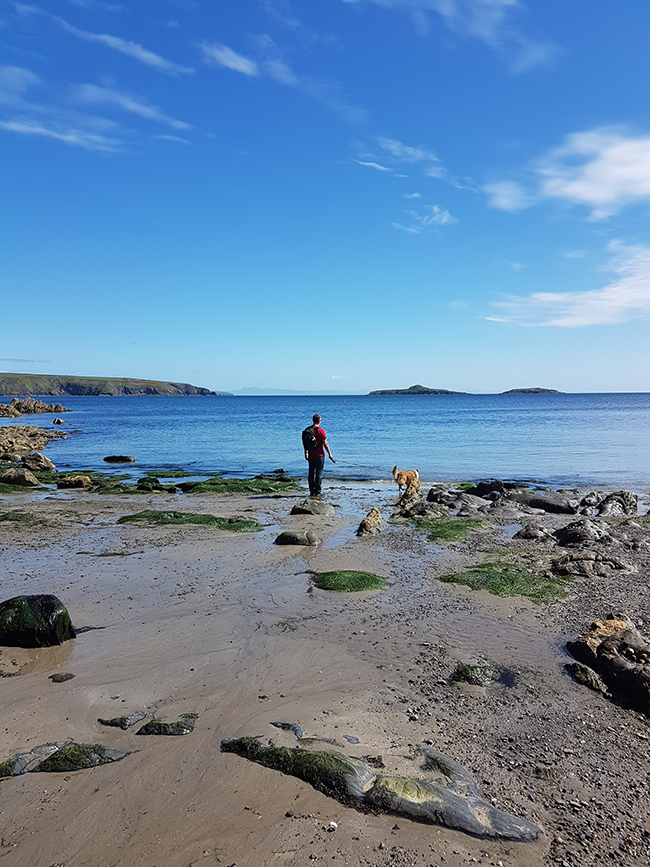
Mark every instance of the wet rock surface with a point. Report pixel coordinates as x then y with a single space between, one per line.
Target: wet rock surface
22 477
182 726
306 538
125 721
34 621
312 506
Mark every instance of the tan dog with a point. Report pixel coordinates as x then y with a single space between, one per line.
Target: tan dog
403 477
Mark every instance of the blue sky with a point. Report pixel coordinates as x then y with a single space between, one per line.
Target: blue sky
334 195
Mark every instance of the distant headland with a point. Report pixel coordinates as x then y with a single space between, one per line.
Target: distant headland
532 391
416 389
95 386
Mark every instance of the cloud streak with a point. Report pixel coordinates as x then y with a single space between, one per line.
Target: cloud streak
90 94
626 298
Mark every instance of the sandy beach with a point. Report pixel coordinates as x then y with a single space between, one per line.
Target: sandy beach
193 619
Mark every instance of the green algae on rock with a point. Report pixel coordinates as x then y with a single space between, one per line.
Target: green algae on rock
258 485
235 524
449 529
78 757
348 581
34 621
476 675
447 796
17 517
183 726
507 579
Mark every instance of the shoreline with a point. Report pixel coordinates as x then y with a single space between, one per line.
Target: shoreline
231 627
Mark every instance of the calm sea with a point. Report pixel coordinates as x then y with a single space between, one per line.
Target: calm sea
561 440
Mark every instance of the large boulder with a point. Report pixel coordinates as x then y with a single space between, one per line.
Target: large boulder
484 489
20 476
312 506
34 621
618 503
591 564
548 501
373 524
584 531
74 482
35 461
119 459
616 650
534 532
298 537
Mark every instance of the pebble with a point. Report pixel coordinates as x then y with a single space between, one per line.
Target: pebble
332 826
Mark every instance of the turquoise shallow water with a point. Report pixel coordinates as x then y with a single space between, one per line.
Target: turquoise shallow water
563 439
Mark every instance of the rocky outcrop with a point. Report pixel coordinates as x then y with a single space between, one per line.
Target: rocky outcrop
8 411
584 531
313 507
37 462
618 503
18 439
373 524
20 477
443 793
591 564
615 649
34 621
30 406
298 537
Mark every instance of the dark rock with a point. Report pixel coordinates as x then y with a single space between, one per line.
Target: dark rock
586 676
298 537
445 795
549 501
38 462
422 509
30 406
119 459
183 726
313 507
533 531
149 484
616 650
297 729
24 762
484 489
61 678
618 503
476 675
372 525
20 476
57 421
124 722
584 531
34 621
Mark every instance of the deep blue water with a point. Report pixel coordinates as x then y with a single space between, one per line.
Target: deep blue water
577 439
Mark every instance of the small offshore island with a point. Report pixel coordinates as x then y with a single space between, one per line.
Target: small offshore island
96 386
421 389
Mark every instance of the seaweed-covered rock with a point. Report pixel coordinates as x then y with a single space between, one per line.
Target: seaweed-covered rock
34 621
313 507
183 726
584 531
119 459
124 722
20 476
372 524
78 757
444 795
149 484
25 762
298 537
35 461
590 563
74 482
616 650
476 675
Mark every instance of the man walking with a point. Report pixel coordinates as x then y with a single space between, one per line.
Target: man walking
315 442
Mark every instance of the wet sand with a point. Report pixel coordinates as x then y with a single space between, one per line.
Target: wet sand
229 626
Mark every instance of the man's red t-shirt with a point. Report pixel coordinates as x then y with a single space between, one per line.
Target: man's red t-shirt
321 436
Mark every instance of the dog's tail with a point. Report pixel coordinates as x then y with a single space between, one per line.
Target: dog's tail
395 471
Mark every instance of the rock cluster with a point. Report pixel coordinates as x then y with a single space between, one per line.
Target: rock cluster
17 440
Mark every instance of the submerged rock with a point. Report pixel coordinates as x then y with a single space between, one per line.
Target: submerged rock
298 537
183 726
446 796
124 722
313 507
373 524
616 650
34 621
119 459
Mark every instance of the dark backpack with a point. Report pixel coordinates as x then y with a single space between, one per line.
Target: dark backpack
309 439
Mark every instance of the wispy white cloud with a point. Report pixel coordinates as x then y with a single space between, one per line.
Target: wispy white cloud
174 138
412 196
222 55
90 94
372 165
489 21
626 298
128 47
69 134
604 169
431 220
15 81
